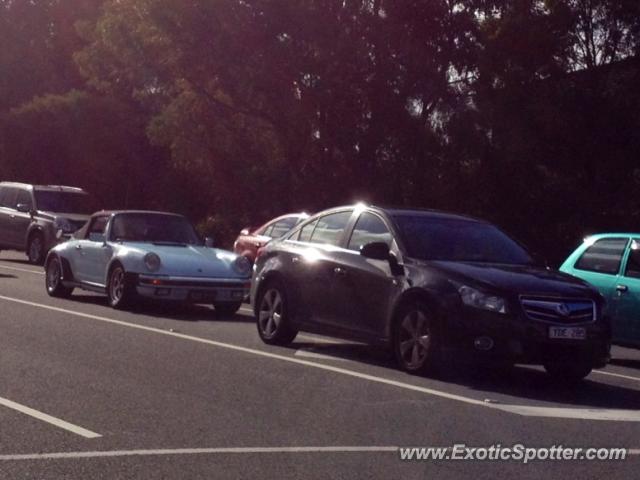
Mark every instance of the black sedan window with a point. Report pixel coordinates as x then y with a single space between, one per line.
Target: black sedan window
430 238
369 228
330 228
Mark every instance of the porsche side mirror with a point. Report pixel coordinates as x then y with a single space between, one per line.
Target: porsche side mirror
245 231
23 208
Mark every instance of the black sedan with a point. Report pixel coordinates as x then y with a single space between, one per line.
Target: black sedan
426 284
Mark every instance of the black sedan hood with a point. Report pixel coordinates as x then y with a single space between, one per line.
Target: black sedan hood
518 279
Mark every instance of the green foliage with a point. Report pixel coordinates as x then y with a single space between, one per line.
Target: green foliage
240 110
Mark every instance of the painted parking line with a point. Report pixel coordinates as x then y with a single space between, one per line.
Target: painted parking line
208 451
17 269
531 411
197 451
70 427
617 375
310 353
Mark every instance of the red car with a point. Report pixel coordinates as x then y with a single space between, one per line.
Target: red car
251 239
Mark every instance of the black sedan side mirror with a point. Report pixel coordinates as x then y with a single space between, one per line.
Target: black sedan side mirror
376 251
208 242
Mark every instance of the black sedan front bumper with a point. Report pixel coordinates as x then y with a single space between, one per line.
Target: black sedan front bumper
517 339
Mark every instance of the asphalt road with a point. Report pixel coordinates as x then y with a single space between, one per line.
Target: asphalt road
177 393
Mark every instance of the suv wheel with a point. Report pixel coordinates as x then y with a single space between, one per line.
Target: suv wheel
35 249
415 341
272 315
53 279
119 289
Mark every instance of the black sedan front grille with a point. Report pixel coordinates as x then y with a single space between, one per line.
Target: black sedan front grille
554 310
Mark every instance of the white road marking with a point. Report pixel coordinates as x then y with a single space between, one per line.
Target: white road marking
323 340
83 432
37 272
611 374
613 415
195 451
207 451
303 352
553 412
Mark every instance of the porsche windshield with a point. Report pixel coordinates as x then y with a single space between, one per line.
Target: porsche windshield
458 240
153 228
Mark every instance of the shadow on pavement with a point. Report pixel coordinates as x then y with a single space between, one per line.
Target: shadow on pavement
521 382
626 362
20 262
169 310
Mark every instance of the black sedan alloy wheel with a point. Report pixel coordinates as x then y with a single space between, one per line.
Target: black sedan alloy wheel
272 316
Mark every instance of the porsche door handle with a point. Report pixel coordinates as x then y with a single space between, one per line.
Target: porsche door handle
295 260
622 288
78 247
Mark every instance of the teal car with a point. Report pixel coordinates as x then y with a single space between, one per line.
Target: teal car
611 263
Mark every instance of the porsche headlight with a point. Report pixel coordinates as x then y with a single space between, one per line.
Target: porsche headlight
152 262
476 298
242 266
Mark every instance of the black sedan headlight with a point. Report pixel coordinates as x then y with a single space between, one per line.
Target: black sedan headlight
477 299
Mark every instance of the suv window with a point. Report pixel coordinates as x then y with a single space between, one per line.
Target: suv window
603 256
369 228
330 228
97 229
633 264
8 197
24 197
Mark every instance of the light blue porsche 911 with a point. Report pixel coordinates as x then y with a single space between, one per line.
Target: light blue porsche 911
129 254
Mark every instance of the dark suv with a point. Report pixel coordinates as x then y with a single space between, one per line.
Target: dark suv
427 284
34 218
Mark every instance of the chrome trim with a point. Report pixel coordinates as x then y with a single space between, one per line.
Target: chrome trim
230 281
547 302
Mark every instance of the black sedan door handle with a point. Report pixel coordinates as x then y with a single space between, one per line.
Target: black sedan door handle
339 271
295 259
622 288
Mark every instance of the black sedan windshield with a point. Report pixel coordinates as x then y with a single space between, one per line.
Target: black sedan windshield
153 228
457 240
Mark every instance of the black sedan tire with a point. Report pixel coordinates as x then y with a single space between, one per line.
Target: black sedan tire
53 279
568 372
272 315
226 309
119 289
415 339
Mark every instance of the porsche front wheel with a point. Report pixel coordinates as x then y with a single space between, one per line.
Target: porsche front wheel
119 289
